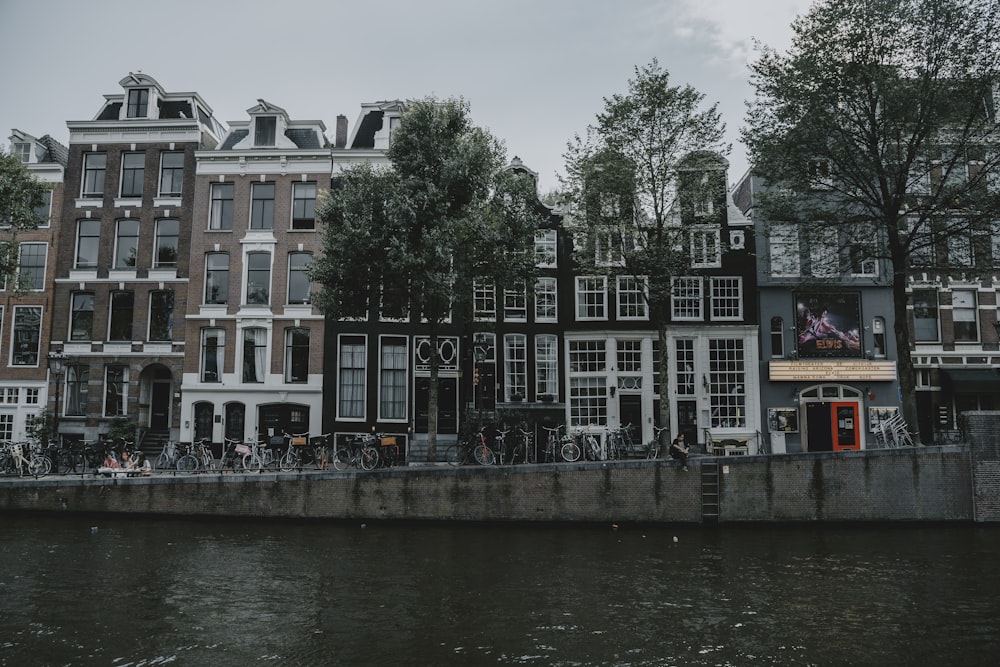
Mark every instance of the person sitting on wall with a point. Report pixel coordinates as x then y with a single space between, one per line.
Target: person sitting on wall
679 450
110 461
143 465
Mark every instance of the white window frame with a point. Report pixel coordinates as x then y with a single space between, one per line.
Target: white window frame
305 273
361 371
260 204
632 296
44 267
546 247
173 170
546 299
403 372
547 365
159 236
90 222
705 247
13 337
964 302
591 298
689 305
785 257
115 265
731 303
515 304
123 398
217 208
824 255
484 295
89 190
219 351
289 362
515 365
299 223
142 177
261 350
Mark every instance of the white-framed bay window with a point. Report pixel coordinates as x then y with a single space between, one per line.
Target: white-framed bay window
588 382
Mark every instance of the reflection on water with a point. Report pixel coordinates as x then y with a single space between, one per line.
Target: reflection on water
190 592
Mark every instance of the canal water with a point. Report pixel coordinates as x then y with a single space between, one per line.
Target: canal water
130 592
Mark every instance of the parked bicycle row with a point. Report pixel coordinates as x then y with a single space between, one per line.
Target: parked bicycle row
558 446
75 456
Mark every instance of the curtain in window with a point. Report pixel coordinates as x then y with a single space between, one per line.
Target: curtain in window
352 380
393 375
254 354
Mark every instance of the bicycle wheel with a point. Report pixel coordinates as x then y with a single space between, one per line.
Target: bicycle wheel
484 455
288 462
455 455
341 459
368 457
39 465
529 452
187 463
162 462
570 452
517 454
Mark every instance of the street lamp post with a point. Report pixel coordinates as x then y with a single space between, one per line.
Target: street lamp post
57 367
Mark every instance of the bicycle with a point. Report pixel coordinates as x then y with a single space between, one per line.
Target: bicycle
500 445
590 447
257 457
475 449
524 450
167 459
300 452
564 447
34 463
620 443
204 459
653 446
360 452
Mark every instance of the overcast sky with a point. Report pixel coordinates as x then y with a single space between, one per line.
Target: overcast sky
535 72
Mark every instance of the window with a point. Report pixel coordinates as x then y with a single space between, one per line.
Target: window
31 274
546 300
254 354
115 386
686 299
31 396
213 343
631 298
545 248
27 331
727 383
963 313
878 337
546 365
9 395
706 247
221 216
515 304
94 165
22 151
138 103
819 175
122 307
925 315
629 356
484 301
88 243
44 212
777 337
959 249
297 355
824 261
126 244
259 278
587 356
167 239
591 298
81 316
171 174
727 298
392 379
351 381
995 240
588 401
862 263
515 366
6 426
303 205
684 358
133 170
262 206
922 242
216 277
298 277
77 390
161 315
784 249
264 130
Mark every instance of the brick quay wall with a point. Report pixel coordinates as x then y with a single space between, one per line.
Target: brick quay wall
933 484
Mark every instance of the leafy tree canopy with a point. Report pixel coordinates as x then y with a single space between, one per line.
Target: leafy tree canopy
20 195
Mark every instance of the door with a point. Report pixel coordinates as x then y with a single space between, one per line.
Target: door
630 414
844 431
818 427
687 420
159 418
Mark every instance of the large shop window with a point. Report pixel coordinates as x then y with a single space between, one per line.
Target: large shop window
727 383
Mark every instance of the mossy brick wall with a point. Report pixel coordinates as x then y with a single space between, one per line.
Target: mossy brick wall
913 484
983 430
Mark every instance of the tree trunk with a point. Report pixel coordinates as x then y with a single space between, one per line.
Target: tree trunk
432 398
904 355
664 370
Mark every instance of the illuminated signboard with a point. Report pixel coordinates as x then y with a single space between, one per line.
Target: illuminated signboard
819 371
828 325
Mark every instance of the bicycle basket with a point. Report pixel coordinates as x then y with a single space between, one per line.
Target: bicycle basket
299 440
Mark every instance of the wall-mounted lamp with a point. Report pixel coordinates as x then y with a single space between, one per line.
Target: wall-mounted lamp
611 390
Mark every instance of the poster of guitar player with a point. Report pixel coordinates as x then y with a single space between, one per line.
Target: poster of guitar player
828 325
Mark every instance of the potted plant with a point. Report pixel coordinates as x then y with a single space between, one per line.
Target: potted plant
516 397
546 398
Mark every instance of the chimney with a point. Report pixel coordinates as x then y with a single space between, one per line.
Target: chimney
340 141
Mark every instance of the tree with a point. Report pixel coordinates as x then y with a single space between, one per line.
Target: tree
630 180
878 129
20 195
446 212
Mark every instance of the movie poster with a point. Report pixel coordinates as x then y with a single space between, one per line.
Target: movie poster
828 325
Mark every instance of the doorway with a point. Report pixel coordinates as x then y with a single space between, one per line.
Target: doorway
630 414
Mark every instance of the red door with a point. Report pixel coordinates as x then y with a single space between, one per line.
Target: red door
845 427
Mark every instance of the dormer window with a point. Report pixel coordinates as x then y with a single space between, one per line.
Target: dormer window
266 127
23 152
138 103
